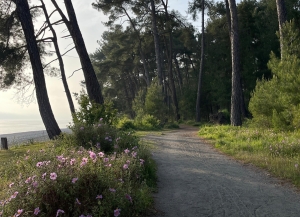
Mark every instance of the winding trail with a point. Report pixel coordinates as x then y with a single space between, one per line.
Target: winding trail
194 180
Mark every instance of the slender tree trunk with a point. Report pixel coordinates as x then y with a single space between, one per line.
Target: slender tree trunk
244 111
198 102
60 60
92 84
236 90
156 44
178 72
170 58
37 68
281 12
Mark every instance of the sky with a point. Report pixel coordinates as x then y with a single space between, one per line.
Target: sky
89 21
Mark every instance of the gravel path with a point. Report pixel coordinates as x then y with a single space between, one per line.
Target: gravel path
195 180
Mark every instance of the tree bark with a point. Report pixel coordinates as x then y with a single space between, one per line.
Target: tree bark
170 60
198 102
178 72
236 90
281 12
156 44
37 68
92 84
60 60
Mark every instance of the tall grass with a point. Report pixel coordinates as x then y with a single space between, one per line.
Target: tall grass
277 152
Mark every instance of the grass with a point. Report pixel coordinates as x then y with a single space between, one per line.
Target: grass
277 152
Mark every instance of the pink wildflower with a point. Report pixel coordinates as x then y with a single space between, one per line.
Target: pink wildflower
125 166
99 196
74 180
19 212
134 154
36 211
28 180
92 155
142 161
106 160
117 212
101 154
39 164
44 175
59 211
126 151
84 161
11 184
35 184
53 176
14 195
72 161
112 190
127 196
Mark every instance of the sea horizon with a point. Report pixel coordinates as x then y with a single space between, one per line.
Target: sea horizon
11 126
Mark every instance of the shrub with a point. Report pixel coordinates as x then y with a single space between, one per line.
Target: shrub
125 123
148 122
74 182
89 112
101 136
274 102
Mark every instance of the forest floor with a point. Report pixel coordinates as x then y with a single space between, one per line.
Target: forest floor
194 179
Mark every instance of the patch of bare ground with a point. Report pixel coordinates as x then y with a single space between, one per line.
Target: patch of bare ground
196 180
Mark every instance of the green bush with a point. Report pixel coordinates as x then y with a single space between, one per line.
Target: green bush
89 112
101 136
274 102
148 122
79 182
125 123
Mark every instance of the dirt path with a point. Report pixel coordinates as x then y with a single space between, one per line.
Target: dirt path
194 180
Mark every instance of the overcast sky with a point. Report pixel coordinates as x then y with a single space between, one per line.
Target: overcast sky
91 28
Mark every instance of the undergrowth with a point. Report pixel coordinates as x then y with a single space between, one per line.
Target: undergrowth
278 152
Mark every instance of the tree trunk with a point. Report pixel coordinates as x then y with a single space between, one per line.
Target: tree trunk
281 12
244 111
236 90
198 102
156 44
178 72
60 60
170 60
92 84
37 68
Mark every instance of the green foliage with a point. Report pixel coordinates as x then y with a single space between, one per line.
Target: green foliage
154 102
101 136
89 112
147 122
274 102
171 125
125 123
79 181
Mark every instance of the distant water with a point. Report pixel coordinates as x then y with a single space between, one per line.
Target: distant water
23 125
